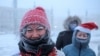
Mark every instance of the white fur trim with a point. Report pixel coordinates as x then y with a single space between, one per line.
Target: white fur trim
59 52
83 29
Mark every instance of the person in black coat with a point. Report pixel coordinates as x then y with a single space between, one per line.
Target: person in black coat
65 37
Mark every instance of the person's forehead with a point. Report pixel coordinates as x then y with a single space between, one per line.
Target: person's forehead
34 25
80 32
74 21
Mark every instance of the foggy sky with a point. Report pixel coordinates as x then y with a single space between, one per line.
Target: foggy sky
60 8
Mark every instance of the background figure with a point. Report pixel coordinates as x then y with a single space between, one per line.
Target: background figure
80 41
35 35
65 37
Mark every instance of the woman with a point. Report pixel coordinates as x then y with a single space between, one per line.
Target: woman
35 35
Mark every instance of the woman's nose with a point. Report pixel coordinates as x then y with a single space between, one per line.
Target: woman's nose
35 35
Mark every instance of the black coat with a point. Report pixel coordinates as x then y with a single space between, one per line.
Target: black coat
64 38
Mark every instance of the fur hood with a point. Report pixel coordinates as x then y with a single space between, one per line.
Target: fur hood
69 19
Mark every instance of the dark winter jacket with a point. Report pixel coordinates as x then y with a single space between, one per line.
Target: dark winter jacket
65 37
77 48
44 50
43 47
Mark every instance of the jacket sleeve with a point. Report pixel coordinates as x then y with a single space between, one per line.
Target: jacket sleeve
94 53
59 41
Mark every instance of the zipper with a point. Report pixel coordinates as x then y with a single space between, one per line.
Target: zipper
80 47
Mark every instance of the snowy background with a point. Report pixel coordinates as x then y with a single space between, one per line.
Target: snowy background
9 42
12 11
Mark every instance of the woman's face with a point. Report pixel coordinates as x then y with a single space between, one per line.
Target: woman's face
35 31
81 35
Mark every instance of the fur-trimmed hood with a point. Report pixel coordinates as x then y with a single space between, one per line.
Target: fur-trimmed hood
70 19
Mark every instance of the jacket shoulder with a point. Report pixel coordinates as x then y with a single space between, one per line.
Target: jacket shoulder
90 51
67 48
62 33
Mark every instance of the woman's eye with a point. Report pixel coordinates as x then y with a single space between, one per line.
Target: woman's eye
79 35
29 30
85 35
39 29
